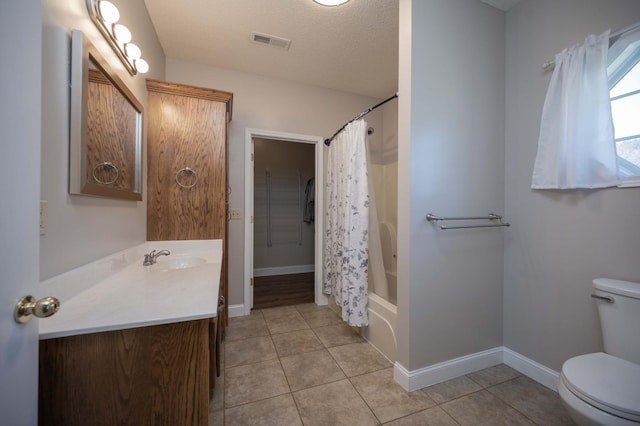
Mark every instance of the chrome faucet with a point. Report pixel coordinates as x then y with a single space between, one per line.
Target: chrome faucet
150 259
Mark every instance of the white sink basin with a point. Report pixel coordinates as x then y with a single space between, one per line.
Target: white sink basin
179 262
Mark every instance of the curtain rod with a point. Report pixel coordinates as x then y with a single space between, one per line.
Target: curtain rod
327 142
548 65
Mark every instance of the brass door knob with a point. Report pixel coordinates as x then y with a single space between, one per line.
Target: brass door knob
27 307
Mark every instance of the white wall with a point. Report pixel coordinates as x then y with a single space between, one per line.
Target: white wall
451 163
81 229
560 240
267 104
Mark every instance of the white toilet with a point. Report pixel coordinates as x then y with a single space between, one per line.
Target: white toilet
604 388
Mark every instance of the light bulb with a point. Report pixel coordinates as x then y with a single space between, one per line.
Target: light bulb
121 33
331 2
141 66
132 51
108 12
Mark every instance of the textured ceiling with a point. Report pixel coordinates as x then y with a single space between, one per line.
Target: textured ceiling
352 48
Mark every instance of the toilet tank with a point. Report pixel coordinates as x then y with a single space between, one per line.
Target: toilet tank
619 317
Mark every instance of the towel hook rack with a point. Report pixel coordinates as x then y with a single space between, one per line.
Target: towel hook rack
491 217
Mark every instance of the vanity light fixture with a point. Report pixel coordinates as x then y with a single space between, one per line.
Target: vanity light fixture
331 2
106 16
133 52
109 12
121 33
141 65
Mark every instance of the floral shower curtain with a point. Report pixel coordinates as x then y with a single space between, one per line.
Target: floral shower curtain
346 251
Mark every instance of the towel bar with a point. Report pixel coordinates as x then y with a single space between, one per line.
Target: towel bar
491 216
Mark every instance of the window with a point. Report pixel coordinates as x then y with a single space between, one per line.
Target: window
624 85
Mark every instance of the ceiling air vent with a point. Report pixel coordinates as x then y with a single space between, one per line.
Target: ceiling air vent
279 42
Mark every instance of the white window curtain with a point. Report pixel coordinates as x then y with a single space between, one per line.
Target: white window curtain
576 147
346 246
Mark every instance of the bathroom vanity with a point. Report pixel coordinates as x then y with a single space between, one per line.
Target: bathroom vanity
133 344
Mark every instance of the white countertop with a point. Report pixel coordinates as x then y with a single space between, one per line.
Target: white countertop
117 292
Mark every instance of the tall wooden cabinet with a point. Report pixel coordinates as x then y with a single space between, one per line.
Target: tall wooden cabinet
187 185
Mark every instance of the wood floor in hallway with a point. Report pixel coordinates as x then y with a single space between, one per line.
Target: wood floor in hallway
283 290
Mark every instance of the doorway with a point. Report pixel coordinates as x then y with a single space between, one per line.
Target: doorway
278 229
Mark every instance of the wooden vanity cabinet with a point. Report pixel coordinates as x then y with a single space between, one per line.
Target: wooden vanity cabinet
187 186
156 375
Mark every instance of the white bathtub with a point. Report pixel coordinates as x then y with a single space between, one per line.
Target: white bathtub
381 332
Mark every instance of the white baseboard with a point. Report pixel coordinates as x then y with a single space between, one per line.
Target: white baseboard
447 370
236 311
283 270
538 372
438 373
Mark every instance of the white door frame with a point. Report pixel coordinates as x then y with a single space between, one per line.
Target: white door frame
318 141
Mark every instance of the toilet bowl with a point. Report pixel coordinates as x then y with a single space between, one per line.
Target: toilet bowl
604 388
600 389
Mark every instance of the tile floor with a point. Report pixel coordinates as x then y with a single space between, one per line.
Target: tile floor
301 364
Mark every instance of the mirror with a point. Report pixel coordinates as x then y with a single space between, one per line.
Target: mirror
105 152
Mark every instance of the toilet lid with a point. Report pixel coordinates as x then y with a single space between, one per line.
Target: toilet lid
609 383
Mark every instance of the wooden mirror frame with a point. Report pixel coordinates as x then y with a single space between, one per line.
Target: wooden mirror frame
85 57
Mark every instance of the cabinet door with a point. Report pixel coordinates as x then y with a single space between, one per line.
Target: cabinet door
156 375
186 146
